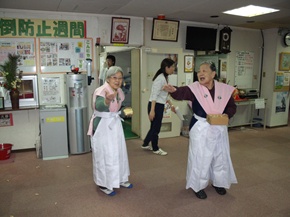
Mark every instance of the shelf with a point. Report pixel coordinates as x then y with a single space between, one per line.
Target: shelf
250 104
20 109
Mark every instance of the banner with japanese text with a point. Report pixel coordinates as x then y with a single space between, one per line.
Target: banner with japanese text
14 27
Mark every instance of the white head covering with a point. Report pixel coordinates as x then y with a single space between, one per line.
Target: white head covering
113 70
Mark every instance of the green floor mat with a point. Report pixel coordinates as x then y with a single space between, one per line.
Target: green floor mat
127 130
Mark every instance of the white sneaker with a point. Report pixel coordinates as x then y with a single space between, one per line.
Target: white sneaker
160 152
148 147
126 185
108 191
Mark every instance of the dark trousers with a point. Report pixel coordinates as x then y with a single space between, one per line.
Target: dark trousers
155 126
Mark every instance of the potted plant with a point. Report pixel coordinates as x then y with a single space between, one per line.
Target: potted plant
12 78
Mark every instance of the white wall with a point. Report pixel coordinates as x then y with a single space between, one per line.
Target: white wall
273 47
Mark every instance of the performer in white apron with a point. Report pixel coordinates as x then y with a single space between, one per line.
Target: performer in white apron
110 159
209 153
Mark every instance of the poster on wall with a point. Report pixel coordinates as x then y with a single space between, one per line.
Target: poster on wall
223 70
244 66
188 78
282 82
59 55
281 101
188 63
120 30
24 47
6 120
50 90
167 111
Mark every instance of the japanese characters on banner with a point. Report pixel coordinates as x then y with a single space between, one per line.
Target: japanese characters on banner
13 27
60 43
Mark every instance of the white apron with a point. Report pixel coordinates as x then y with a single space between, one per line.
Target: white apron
110 159
209 156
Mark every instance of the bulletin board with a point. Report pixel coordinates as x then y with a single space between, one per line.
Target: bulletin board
25 47
58 55
282 81
244 67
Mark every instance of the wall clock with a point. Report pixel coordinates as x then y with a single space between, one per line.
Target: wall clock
287 39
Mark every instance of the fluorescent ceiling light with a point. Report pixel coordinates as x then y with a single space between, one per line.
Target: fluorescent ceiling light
250 11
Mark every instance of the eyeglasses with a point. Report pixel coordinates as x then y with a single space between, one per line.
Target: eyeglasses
116 78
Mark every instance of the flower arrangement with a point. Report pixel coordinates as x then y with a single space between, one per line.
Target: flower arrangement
9 70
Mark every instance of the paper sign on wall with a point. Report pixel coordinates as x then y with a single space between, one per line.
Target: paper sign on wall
259 103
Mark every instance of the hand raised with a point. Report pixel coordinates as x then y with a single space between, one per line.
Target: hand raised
110 96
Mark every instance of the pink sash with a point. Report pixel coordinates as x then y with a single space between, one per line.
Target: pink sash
223 92
101 91
115 105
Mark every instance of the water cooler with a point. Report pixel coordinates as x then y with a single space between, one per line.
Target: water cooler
77 105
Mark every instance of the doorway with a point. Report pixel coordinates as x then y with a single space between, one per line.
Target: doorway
123 57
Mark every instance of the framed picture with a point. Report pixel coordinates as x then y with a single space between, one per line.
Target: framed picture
284 62
165 30
120 30
188 63
6 120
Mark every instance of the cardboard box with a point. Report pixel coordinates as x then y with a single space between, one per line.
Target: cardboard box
217 119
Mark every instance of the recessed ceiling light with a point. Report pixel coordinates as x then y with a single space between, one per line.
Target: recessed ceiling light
250 11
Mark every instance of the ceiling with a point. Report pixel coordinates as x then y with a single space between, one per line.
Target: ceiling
186 10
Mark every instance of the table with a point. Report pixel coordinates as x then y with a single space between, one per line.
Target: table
250 103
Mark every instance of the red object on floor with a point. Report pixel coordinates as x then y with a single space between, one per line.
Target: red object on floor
5 150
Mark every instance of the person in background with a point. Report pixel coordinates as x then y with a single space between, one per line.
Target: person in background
110 61
109 151
156 105
209 152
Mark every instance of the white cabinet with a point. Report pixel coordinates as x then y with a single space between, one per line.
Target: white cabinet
25 130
